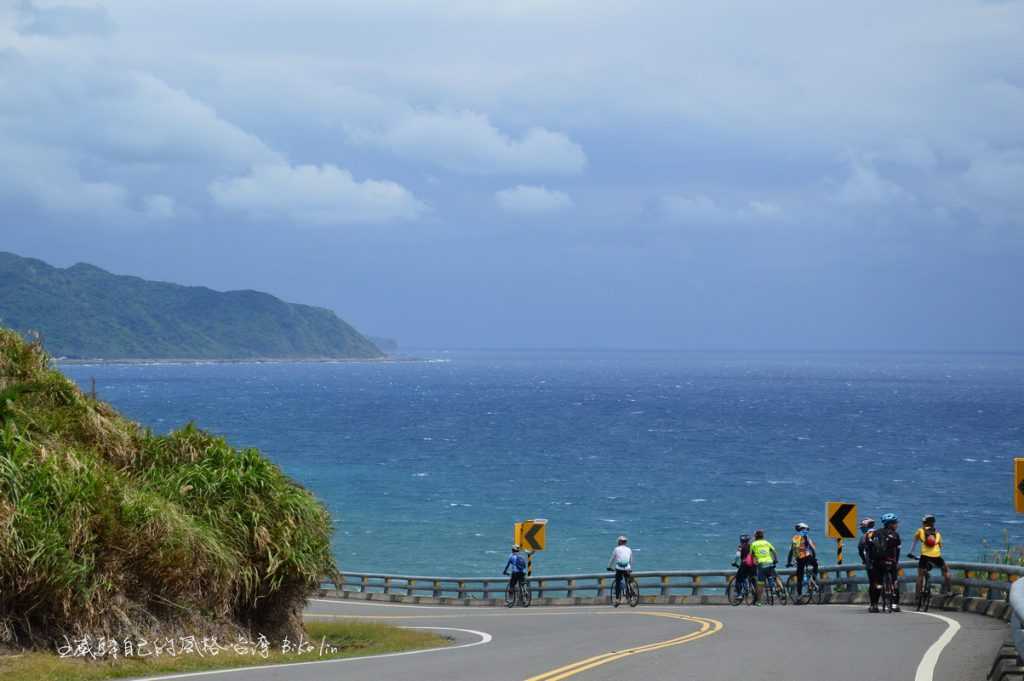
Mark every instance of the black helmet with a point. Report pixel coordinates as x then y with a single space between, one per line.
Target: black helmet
928 520
744 538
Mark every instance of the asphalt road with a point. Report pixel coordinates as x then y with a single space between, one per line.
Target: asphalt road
708 643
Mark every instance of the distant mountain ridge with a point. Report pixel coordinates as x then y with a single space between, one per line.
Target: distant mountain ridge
88 313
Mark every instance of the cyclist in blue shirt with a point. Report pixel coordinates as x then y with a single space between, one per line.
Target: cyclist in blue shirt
518 565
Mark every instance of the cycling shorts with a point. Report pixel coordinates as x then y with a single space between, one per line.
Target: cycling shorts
765 571
928 562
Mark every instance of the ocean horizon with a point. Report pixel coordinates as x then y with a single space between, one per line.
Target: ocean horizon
425 465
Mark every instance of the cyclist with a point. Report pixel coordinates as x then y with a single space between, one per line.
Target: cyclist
864 548
766 559
743 562
885 553
518 565
803 549
622 562
931 552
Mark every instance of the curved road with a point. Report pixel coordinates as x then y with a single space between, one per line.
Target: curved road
698 643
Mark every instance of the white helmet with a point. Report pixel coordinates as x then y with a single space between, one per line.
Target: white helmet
622 539
802 526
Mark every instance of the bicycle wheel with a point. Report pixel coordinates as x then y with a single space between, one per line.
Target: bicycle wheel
924 597
801 598
887 592
633 592
783 594
525 595
510 596
814 591
734 591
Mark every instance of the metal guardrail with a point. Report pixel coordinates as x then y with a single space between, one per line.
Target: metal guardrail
987 581
1016 618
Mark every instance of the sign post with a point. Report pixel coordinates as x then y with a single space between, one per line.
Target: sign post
531 535
840 524
1018 485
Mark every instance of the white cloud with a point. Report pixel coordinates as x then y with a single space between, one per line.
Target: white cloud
529 200
467 142
315 195
765 209
701 209
998 175
690 208
159 206
865 186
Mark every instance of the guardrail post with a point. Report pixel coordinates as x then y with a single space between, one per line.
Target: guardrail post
696 585
850 574
410 586
437 588
338 580
967 589
462 589
570 588
540 588
387 585
602 588
363 581
665 590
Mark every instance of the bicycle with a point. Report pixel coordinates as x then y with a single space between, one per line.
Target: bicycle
890 593
773 589
811 591
924 595
746 591
631 591
520 593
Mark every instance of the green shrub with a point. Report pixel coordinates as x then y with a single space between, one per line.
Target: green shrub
108 529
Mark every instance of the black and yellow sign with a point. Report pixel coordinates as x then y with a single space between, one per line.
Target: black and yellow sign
1018 485
531 535
841 519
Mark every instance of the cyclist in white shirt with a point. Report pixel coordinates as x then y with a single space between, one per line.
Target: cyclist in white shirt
622 563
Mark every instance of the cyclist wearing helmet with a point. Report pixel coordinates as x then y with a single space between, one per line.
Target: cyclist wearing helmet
931 552
864 548
518 565
744 561
622 562
765 557
885 553
803 549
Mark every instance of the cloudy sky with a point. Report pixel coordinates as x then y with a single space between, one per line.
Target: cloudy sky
558 173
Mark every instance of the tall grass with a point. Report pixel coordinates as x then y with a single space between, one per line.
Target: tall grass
106 528
1007 554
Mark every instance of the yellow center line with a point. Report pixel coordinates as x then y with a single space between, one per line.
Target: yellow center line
708 627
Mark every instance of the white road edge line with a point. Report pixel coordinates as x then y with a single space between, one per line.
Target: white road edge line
926 669
485 638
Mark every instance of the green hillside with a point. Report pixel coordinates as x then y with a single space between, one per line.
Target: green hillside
106 528
86 312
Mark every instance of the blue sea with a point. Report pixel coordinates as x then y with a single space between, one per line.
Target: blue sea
426 464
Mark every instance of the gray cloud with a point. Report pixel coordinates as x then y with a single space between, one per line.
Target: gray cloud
697 142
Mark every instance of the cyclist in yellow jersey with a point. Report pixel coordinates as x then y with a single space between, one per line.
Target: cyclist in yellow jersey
803 550
766 558
931 552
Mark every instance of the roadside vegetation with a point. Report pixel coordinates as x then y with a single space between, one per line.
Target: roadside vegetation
107 529
339 640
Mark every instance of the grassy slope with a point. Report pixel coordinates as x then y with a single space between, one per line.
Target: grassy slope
83 311
107 529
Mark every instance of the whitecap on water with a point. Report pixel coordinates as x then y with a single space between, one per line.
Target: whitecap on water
420 475
971 460
608 520
697 501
